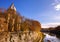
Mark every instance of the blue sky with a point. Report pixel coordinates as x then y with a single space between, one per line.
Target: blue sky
47 12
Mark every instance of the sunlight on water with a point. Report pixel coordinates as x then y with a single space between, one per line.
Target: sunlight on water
51 38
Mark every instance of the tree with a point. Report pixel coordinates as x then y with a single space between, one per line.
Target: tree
36 25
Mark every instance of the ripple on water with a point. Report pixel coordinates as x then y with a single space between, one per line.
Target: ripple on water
51 38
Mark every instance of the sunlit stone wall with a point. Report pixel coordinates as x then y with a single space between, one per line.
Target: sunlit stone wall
21 37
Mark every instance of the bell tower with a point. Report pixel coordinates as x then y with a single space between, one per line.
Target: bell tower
12 9
11 17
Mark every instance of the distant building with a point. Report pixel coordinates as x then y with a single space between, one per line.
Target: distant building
10 20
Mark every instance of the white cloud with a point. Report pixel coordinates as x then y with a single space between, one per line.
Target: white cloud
52 16
56 5
47 25
53 21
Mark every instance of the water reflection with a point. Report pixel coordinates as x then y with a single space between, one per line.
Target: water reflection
49 38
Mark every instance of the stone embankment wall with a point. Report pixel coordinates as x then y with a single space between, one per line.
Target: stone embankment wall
21 37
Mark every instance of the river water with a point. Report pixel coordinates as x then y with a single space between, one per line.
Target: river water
51 38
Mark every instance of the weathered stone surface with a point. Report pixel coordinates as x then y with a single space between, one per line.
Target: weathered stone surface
16 28
21 37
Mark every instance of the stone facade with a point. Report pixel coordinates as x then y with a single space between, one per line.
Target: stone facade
10 20
22 37
13 27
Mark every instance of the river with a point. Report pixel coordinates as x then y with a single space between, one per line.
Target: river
51 38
